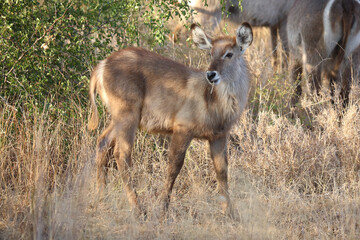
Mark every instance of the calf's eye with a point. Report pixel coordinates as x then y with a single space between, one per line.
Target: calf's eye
229 55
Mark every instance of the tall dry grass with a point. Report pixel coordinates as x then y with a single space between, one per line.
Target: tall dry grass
290 178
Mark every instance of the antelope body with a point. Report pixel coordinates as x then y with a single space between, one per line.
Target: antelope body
262 13
208 16
143 89
323 34
265 13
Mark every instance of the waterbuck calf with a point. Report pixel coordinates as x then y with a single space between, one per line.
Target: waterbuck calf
322 36
143 89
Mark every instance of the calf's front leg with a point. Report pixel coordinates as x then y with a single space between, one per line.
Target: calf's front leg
178 146
219 157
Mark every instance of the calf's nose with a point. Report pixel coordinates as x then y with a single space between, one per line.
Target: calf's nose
210 75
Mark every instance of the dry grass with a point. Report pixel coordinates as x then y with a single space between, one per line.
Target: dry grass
289 178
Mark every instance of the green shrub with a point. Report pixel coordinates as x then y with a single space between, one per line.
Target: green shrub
48 48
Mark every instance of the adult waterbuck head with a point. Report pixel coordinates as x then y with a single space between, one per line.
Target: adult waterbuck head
143 89
323 34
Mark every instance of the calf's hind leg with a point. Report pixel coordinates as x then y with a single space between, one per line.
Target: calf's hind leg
122 153
104 142
121 133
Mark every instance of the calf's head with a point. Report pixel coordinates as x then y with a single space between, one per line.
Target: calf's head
225 51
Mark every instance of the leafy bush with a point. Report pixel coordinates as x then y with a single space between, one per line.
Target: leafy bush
48 48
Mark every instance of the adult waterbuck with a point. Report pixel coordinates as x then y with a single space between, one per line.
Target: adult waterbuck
323 34
143 89
265 13
262 13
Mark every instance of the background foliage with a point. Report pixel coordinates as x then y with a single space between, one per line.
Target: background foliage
48 48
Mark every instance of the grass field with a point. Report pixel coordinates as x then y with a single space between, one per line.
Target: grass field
290 178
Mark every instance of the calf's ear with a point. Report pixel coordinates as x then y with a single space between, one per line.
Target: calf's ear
200 38
244 36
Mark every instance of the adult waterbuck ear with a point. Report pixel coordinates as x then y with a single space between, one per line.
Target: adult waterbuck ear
244 36
200 38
